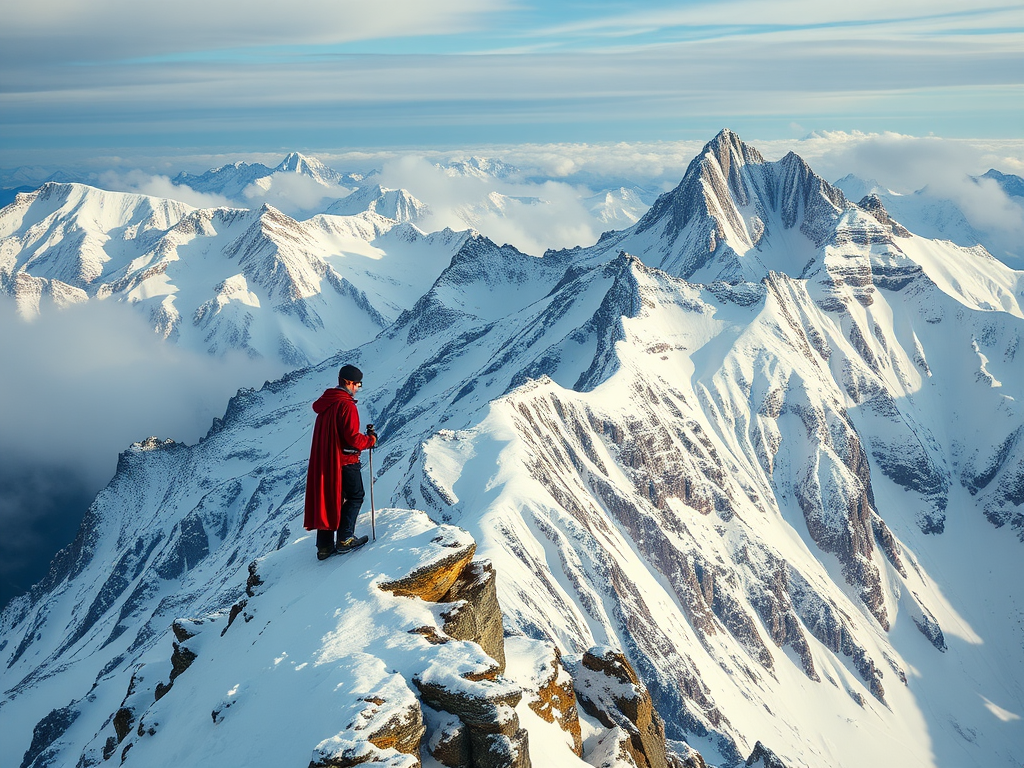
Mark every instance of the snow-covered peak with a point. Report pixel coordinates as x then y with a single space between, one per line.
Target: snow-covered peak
735 216
71 232
620 207
397 204
856 188
729 152
229 180
219 280
235 179
480 168
1012 185
873 204
295 162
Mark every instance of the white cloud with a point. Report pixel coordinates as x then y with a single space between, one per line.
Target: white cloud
292 193
143 183
851 20
84 382
69 30
550 216
79 386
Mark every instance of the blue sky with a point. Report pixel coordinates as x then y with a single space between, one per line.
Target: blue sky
316 75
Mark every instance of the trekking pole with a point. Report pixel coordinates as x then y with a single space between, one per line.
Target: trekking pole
373 512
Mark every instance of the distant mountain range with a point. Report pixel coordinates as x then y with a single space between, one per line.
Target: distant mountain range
232 180
746 479
219 280
936 217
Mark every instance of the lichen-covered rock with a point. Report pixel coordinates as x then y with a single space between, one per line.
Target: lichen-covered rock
402 730
443 557
609 689
476 614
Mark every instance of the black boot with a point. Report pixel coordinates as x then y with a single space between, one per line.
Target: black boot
324 544
352 543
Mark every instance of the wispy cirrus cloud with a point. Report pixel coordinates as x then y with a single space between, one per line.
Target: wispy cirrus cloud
869 18
258 76
104 30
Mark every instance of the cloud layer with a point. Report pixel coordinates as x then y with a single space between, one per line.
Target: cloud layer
81 385
93 378
257 76
104 30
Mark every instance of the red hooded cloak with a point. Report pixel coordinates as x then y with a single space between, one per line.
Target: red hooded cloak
336 429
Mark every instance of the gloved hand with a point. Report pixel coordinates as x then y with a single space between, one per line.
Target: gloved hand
371 432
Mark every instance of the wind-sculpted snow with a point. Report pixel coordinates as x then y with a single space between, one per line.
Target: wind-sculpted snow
787 485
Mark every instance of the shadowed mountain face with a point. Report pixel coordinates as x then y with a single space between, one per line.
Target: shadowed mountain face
762 442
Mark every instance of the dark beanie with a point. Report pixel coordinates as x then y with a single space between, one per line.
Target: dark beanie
349 373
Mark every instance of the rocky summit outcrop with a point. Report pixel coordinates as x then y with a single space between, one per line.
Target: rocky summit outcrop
609 689
485 732
450 697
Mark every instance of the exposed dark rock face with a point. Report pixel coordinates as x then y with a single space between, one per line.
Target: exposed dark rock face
873 205
476 615
926 622
401 731
762 757
838 505
832 627
609 689
45 733
775 607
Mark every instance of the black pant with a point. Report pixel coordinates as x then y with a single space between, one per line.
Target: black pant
352 490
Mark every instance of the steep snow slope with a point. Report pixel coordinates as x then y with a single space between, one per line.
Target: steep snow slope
219 280
795 502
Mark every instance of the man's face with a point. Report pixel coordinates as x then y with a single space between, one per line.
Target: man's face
352 386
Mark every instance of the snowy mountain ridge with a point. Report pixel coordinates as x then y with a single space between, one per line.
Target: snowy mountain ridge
219 280
778 466
233 179
934 216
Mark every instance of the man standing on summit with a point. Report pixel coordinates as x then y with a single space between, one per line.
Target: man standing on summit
334 483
